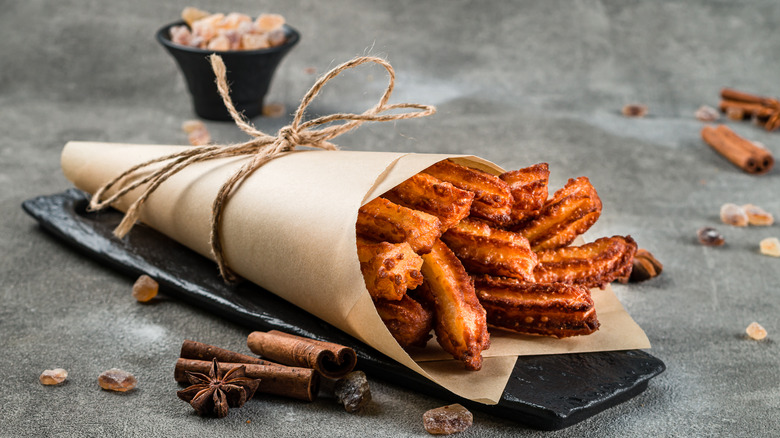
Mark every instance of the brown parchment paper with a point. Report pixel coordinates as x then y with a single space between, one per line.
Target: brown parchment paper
290 228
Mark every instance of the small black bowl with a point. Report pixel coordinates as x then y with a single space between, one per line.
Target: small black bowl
249 74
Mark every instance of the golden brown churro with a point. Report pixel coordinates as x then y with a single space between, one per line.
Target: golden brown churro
550 309
433 196
594 264
459 320
492 198
389 269
502 230
487 250
409 321
383 220
570 212
529 190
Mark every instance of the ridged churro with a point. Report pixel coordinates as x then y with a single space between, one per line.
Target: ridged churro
529 190
593 264
492 198
569 213
408 320
487 250
383 220
459 320
433 196
389 269
550 309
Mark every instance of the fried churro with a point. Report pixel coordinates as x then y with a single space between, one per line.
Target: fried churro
433 196
389 269
550 309
594 264
569 213
459 320
383 220
409 321
487 250
492 198
529 190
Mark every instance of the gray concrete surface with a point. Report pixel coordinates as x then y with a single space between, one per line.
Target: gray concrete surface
515 82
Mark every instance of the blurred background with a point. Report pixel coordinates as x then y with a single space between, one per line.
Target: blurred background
515 82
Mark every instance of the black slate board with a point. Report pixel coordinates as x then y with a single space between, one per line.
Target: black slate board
544 392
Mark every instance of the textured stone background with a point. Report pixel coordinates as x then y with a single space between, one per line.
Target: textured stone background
514 82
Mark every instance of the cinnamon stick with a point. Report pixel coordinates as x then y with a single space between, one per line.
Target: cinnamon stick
732 94
766 109
747 108
201 351
331 360
292 382
743 153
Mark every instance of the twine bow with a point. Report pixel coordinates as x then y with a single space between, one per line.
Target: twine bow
262 147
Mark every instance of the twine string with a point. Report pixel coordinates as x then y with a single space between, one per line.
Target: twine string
261 147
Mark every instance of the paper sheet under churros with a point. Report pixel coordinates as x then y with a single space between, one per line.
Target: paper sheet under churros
290 228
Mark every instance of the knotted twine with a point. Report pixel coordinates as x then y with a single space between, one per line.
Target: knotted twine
261 147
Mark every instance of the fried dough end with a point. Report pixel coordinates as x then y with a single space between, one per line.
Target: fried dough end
486 250
549 309
384 221
409 321
433 196
529 190
459 319
570 212
389 269
492 198
594 264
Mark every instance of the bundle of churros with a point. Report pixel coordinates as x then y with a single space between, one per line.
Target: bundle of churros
453 250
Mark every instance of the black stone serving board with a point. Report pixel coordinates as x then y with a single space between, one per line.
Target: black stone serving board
543 392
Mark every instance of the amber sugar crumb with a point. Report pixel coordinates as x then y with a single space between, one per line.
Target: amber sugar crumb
232 31
447 420
709 236
733 214
197 133
269 22
191 15
273 110
735 113
53 377
145 289
706 113
757 215
756 331
353 391
770 246
634 110
117 380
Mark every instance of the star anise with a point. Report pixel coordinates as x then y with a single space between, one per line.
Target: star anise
215 392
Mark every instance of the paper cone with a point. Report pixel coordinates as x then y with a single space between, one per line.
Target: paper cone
290 228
